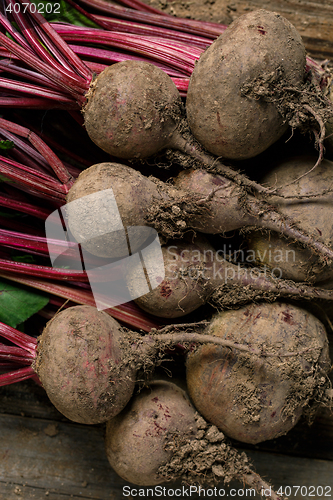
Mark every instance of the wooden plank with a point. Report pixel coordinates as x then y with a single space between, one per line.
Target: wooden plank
55 457
42 458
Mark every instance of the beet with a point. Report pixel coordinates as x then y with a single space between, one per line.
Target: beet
195 274
258 48
81 362
131 109
255 398
159 437
202 201
135 438
299 180
88 364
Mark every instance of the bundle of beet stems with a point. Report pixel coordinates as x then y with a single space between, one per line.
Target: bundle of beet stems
41 184
172 44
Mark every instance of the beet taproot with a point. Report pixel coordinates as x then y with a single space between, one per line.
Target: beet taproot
195 273
159 437
309 202
199 200
136 437
254 399
257 45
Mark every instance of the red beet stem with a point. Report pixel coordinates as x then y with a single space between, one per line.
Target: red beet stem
28 88
33 103
15 354
110 56
14 33
207 29
18 338
26 208
49 156
26 27
42 271
129 313
149 30
75 86
31 178
16 376
136 4
178 56
70 64
13 67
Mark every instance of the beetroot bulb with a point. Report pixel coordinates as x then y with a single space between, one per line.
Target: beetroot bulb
299 179
195 274
134 110
250 84
159 437
88 364
254 399
198 200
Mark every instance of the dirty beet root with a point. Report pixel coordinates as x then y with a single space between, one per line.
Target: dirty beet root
162 418
250 85
88 364
198 200
134 110
309 200
260 393
195 274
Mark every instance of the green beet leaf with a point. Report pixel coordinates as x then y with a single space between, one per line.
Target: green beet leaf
18 302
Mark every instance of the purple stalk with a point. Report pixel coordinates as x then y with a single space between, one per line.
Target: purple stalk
34 180
148 30
75 86
180 57
32 38
42 271
15 354
49 156
18 338
142 29
44 39
19 87
43 246
78 70
31 103
14 33
10 66
129 313
114 57
16 376
27 242
25 154
204 28
26 208
136 4
75 61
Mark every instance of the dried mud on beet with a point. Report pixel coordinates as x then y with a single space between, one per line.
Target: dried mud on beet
208 455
